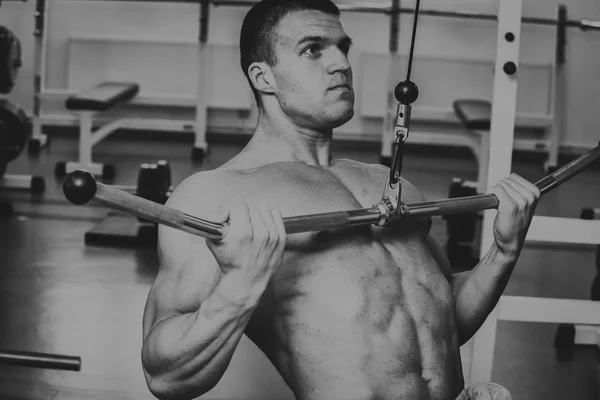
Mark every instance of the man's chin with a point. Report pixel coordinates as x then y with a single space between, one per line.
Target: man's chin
333 118
342 118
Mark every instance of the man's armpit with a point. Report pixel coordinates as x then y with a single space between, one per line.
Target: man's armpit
439 256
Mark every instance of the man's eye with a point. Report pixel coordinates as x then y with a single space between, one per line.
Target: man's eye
311 50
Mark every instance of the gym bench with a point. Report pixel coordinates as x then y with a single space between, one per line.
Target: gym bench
87 104
476 116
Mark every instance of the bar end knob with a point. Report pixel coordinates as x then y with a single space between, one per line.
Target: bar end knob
79 187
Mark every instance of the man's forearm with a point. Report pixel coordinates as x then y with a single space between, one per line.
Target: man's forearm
185 356
477 292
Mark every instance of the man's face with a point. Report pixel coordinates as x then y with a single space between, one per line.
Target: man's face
313 76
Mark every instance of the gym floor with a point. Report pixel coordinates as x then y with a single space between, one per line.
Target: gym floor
59 296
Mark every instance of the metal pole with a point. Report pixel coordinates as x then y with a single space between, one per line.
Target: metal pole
389 121
394 26
558 87
452 14
499 150
568 171
40 360
201 147
203 27
388 8
381 8
39 63
21 1
584 24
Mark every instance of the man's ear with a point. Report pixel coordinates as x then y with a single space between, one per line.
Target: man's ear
262 77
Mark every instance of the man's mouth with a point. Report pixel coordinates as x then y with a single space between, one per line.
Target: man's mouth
342 86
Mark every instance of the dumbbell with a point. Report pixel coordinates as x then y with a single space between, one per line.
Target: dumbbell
461 228
154 182
593 214
590 213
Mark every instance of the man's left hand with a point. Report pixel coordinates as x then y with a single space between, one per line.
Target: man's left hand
517 202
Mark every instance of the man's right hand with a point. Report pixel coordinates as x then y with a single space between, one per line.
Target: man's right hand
254 245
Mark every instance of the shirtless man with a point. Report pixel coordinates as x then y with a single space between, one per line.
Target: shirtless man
357 313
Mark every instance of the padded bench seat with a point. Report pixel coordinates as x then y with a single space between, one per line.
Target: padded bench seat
474 114
103 96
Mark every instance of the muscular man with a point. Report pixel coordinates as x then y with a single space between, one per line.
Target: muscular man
357 313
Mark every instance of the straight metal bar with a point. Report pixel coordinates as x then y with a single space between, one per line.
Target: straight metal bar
389 9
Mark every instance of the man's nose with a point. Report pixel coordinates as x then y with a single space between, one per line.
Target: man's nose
338 62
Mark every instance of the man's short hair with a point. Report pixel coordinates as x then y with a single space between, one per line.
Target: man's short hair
258 33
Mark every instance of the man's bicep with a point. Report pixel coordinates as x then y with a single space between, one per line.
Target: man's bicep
188 272
186 276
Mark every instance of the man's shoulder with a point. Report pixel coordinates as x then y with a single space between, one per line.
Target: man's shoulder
218 188
204 190
207 180
350 163
361 170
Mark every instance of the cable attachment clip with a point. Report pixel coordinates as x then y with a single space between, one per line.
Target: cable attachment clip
406 92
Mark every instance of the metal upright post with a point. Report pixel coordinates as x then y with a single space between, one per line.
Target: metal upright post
201 147
501 138
38 139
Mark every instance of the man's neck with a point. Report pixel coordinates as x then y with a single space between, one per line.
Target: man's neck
280 140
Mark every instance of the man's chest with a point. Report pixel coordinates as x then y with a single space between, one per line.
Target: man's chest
298 190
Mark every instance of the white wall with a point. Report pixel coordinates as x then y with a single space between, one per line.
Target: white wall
154 44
